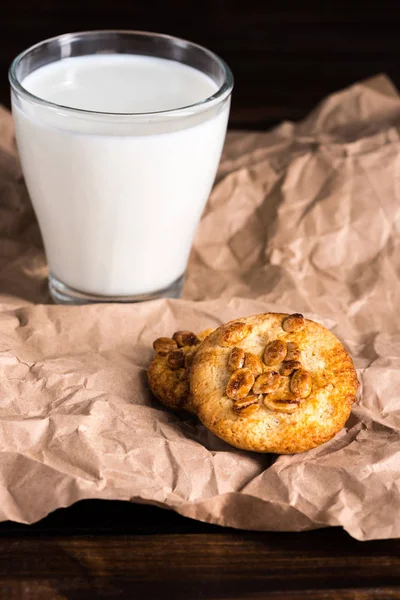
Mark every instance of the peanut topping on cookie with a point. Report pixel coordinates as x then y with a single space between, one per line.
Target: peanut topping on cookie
236 359
252 362
267 383
189 360
235 333
248 408
274 352
301 383
240 383
170 369
181 374
293 351
288 366
293 323
286 406
185 338
163 345
241 403
176 359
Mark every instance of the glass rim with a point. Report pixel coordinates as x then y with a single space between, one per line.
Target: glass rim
219 96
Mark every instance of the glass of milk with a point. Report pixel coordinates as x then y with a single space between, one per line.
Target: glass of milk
119 134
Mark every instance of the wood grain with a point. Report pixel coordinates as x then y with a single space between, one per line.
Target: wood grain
194 566
141 551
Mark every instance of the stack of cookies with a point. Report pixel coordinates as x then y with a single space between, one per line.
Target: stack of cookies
266 383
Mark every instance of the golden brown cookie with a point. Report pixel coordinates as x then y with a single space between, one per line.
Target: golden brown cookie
302 397
168 372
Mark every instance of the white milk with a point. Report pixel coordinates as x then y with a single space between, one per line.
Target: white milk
118 200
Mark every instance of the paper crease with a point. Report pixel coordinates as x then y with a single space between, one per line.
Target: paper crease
303 218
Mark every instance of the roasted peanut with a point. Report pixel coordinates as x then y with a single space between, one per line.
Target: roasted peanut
240 383
293 323
163 345
234 333
267 383
236 359
189 360
246 411
288 366
176 359
301 383
185 338
246 401
252 362
286 406
293 351
274 352
181 374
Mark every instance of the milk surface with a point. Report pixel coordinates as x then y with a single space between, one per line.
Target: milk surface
118 203
124 83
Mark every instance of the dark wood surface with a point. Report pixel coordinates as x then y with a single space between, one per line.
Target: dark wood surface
285 57
99 549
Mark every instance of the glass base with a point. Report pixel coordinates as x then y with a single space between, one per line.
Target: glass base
63 294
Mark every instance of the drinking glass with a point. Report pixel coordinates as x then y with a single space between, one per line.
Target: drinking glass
118 195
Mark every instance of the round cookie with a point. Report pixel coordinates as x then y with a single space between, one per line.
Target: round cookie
273 383
168 372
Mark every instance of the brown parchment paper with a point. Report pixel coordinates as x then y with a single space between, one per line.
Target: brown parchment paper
303 218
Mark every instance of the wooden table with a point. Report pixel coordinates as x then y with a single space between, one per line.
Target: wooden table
118 550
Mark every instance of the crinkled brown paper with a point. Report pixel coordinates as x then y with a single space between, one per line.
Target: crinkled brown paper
303 218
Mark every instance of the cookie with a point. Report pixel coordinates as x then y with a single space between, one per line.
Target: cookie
273 383
168 372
